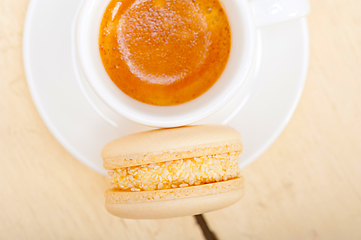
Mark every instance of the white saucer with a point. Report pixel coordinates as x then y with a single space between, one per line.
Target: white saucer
260 111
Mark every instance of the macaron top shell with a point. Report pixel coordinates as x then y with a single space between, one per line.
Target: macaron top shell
170 144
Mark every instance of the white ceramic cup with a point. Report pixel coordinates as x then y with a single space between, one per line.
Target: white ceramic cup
244 17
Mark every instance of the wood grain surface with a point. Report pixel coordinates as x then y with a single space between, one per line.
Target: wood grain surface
306 186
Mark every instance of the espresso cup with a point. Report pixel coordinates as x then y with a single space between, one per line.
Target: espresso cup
244 18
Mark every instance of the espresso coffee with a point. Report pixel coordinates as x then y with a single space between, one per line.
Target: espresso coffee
164 52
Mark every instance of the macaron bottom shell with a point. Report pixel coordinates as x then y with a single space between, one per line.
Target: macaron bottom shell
172 203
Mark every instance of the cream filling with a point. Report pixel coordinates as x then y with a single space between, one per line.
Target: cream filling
177 173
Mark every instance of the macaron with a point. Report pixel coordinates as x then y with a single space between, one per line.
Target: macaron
175 172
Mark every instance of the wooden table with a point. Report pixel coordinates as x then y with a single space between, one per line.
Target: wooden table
306 186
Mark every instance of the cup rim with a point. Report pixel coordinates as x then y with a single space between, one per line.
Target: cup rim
121 108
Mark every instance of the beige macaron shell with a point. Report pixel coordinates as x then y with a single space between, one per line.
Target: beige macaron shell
177 202
175 208
170 144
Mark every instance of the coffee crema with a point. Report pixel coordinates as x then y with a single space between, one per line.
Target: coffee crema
164 52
